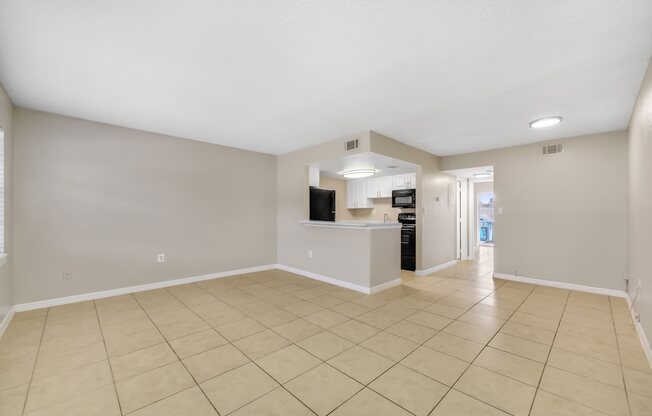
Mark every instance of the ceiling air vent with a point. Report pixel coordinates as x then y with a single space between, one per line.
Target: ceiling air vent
352 144
552 149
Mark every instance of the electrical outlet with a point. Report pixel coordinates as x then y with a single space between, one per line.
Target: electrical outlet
160 258
309 254
66 275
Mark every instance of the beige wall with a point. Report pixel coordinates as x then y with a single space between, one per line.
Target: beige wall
359 256
339 186
565 217
341 254
101 201
639 262
294 239
6 112
436 233
385 255
381 207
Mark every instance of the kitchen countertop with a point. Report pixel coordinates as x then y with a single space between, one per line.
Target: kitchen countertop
364 225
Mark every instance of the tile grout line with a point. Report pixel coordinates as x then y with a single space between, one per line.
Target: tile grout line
176 355
250 360
620 359
582 375
423 345
419 345
549 352
115 387
31 378
575 352
487 345
165 341
151 346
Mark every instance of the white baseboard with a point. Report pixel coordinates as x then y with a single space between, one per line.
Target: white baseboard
48 303
562 285
7 320
436 268
645 342
325 279
386 285
133 289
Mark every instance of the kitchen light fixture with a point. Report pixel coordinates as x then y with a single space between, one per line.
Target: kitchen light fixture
487 174
358 173
545 122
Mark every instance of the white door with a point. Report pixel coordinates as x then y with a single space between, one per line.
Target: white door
463 249
458 244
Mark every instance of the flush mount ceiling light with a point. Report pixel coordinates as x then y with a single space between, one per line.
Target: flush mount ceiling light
545 122
487 174
358 173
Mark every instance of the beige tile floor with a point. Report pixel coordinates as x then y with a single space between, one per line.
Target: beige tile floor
272 343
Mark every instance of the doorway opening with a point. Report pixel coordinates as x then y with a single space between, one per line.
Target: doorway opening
485 218
475 224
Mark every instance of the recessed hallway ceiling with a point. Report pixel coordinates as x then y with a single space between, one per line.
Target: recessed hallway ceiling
445 76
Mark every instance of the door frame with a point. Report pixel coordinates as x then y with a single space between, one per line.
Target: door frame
463 251
471 220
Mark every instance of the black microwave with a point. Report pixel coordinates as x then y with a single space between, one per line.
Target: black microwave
404 198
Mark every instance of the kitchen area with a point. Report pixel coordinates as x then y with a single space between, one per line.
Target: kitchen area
360 247
370 199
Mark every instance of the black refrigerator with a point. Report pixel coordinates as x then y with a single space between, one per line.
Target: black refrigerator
322 204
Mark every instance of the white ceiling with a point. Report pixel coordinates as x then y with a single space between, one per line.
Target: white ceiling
446 76
368 160
469 173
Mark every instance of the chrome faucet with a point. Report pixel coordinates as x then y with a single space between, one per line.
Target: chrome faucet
386 217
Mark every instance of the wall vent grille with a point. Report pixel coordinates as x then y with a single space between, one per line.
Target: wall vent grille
352 144
552 149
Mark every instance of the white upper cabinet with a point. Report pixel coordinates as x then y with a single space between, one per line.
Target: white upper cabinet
356 194
351 194
380 187
386 183
360 193
405 181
